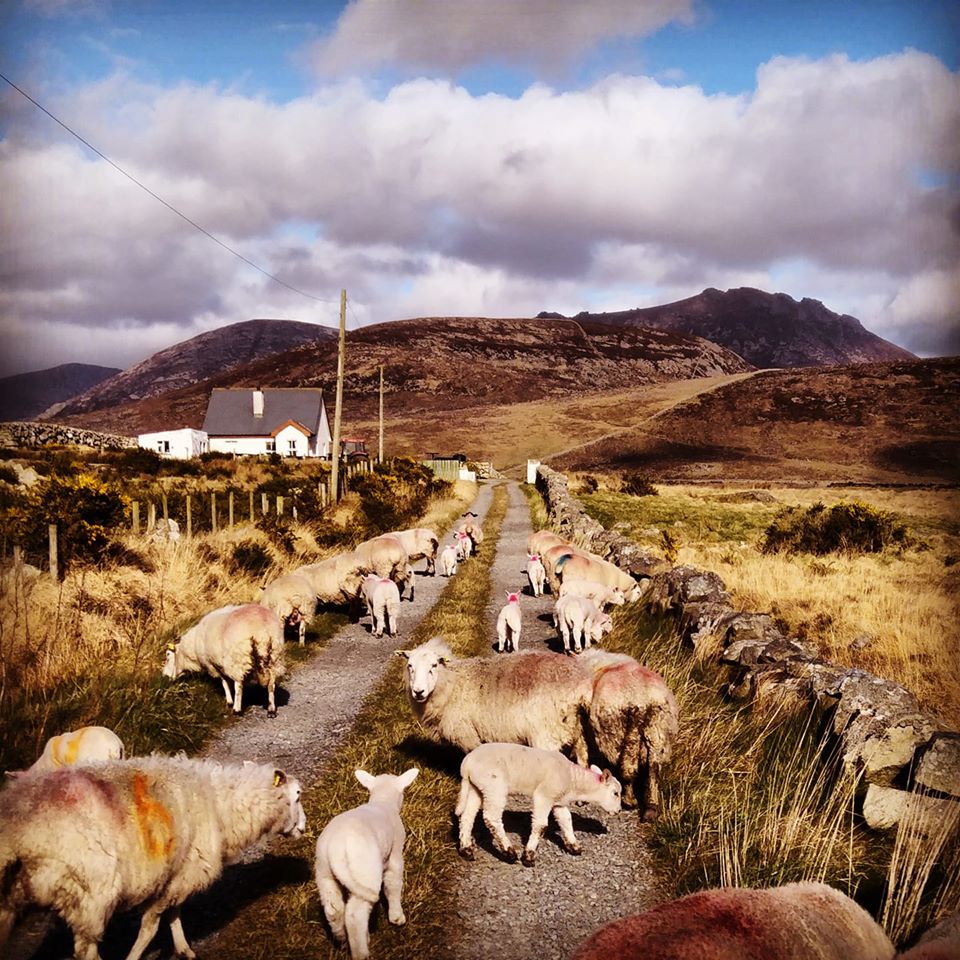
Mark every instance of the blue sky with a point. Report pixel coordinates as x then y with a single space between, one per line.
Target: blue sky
483 158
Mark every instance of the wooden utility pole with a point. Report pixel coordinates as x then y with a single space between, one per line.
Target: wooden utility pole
380 452
335 454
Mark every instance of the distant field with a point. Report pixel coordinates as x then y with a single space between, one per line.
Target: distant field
901 606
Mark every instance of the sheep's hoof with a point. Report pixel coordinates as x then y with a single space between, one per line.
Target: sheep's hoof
399 920
272 713
468 853
529 858
574 848
511 855
651 813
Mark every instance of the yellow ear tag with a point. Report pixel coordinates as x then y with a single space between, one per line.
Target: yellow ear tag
171 647
276 779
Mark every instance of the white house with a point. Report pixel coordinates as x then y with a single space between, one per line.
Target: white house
289 421
176 444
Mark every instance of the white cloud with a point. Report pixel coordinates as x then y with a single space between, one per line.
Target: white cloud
448 35
68 8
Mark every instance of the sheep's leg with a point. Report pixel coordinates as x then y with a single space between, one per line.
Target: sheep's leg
302 632
493 803
226 691
180 945
393 887
579 747
271 698
394 620
501 636
652 805
148 930
629 765
331 899
237 695
578 635
471 808
7 919
516 639
357 916
565 823
538 821
84 949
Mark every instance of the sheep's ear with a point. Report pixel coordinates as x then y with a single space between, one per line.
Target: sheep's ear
596 771
15 774
366 779
279 778
443 659
405 779
171 647
402 653
607 775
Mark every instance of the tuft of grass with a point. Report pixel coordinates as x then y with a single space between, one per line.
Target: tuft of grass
385 739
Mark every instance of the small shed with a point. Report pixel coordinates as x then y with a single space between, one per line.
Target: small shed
175 444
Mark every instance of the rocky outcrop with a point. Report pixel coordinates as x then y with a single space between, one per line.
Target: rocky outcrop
883 733
23 433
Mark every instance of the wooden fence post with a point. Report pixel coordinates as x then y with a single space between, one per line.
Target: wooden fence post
213 511
151 515
264 504
253 518
54 565
136 516
166 512
189 516
230 509
279 506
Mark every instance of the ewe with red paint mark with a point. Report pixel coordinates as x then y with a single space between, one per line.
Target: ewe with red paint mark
86 841
419 542
509 624
798 921
603 572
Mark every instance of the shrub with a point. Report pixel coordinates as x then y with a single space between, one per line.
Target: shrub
278 532
8 474
250 557
590 484
138 460
851 527
637 485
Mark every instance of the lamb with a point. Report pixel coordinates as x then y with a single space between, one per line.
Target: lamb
793 922
86 745
386 557
535 574
509 624
237 642
382 598
602 572
448 561
602 596
464 545
474 531
358 852
578 618
84 841
293 599
493 771
419 543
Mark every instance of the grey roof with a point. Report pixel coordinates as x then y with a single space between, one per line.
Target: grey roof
230 412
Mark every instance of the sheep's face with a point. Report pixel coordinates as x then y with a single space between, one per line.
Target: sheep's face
616 597
170 663
423 670
296 820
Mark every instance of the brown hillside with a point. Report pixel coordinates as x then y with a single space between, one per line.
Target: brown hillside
868 423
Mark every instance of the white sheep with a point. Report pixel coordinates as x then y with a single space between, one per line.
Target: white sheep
541 540
493 771
602 596
474 531
602 572
237 642
382 598
464 545
509 623
793 922
554 559
86 745
293 599
580 619
448 561
85 841
358 852
336 580
419 542
386 557
536 574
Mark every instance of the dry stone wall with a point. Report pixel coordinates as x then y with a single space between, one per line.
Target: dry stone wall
905 756
23 433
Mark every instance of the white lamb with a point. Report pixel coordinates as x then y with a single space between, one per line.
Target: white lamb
536 573
493 771
509 623
601 595
236 642
382 598
360 851
578 618
86 745
448 561
464 545
86 841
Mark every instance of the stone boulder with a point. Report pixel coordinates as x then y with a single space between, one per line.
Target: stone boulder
939 766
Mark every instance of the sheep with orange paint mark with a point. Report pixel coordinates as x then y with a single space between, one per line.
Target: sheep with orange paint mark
86 745
234 643
86 841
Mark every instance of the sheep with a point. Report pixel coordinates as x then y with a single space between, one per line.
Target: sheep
386 557
448 561
358 852
85 745
554 559
535 574
87 840
509 624
541 540
633 721
602 596
602 572
578 618
419 542
474 531
793 922
464 545
493 771
237 642
293 599
382 598
335 580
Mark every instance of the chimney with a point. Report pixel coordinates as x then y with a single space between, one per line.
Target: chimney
258 403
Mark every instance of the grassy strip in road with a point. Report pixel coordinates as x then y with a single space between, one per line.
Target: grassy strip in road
287 923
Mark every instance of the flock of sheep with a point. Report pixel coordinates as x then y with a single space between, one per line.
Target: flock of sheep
85 832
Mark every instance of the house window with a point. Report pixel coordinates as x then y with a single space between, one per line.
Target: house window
291 448
163 446
271 446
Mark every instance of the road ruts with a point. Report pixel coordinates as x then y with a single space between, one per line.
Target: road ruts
512 912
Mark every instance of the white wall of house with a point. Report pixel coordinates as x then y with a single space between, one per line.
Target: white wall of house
242 445
176 444
291 442
301 446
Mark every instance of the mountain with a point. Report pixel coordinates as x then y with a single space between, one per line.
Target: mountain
25 396
766 329
196 359
435 367
863 423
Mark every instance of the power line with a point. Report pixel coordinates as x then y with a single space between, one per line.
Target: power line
169 206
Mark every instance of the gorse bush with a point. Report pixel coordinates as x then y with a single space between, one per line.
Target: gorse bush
250 557
850 527
8 474
638 485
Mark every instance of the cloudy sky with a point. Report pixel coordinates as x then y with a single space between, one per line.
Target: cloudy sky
479 157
